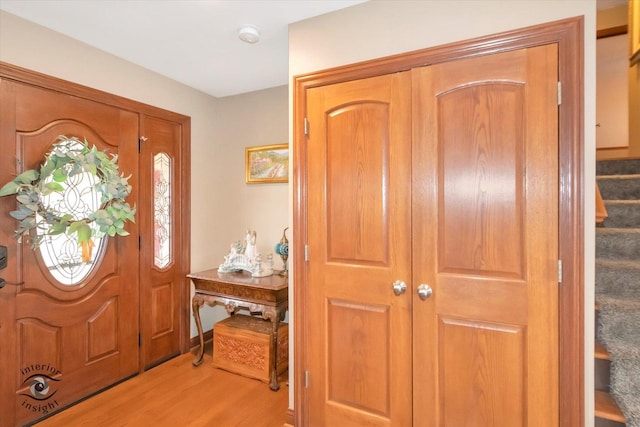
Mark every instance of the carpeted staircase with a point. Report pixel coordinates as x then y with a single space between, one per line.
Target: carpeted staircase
618 281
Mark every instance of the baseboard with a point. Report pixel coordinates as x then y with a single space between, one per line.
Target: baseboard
195 341
289 418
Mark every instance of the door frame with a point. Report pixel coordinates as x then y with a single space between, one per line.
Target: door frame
183 259
568 35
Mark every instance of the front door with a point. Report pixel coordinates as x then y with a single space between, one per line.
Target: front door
432 245
67 328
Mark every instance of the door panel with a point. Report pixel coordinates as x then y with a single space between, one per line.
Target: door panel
161 225
493 360
359 244
485 215
78 338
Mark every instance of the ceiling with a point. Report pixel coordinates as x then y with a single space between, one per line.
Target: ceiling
192 41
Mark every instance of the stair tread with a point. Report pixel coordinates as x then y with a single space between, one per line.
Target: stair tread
618 263
618 176
607 408
601 352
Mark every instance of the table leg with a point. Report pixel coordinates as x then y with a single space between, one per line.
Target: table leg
275 316
196 303
273 384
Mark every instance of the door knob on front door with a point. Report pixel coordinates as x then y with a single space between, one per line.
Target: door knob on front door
399 287
424 291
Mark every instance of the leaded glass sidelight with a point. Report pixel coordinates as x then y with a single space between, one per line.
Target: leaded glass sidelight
162 210
61 253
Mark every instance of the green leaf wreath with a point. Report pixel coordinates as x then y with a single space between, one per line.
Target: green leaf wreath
70 157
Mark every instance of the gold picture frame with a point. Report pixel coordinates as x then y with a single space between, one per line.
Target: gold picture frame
634 32
267 164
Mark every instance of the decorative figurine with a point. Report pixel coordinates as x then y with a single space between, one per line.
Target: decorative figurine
246 258
250 246
282 249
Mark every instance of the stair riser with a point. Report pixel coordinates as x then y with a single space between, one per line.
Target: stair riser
622 282
599 422
602 369
622 215
618 167
619 188
617 245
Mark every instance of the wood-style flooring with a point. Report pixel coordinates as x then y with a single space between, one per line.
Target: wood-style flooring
176 393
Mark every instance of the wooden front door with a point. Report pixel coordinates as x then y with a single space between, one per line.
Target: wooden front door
64 339
444 178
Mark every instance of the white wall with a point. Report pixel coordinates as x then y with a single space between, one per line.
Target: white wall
255 118
612 88
227 205
611 104
380 28
222 205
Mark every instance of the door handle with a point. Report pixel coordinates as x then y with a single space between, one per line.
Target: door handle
424 291
399 287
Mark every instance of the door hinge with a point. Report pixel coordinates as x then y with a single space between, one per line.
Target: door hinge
306 379
306 252
559 271
559 93
139 340
139 243
306 126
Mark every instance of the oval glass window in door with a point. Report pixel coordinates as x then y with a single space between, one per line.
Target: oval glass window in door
61 253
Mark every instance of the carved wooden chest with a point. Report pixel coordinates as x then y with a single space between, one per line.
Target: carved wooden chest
242 344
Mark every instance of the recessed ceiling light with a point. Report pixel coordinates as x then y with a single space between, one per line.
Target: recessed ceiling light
249 33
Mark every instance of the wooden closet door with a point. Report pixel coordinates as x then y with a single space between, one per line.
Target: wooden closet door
485 239
359 193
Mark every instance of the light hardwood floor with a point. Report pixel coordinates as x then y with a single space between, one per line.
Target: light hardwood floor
178 394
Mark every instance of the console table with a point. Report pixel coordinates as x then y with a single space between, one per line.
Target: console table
265 295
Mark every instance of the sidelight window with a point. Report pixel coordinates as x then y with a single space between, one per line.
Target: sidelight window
162 209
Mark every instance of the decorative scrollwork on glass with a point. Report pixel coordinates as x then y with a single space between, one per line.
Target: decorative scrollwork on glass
60 252
162 203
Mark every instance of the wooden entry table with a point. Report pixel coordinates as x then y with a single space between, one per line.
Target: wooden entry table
265 295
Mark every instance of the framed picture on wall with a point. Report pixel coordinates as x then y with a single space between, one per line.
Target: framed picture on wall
267 164
634 32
